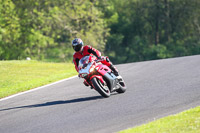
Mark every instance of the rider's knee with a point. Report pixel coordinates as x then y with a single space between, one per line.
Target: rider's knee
107 59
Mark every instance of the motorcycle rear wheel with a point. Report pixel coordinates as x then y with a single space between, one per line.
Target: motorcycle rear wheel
122 89
101 88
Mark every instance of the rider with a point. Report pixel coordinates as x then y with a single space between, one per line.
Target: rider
81 51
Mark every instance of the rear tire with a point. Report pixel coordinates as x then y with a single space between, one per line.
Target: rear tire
122 89
102 89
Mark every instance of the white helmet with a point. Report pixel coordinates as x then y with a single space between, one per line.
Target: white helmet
77 44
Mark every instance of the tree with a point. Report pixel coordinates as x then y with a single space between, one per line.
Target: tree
128 30
154 29
44 29
9 31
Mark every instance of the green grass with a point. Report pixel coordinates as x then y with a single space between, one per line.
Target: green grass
185 122
19 76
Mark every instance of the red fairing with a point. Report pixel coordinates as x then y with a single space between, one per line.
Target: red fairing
103 69
79 55
105 62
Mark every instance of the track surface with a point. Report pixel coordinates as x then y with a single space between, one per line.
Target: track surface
155 89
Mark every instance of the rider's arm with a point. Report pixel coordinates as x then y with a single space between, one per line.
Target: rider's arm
76 61
94 51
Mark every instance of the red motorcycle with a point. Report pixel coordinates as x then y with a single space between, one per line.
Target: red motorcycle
100 77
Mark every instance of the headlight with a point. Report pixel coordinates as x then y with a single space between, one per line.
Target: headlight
84 74
91 69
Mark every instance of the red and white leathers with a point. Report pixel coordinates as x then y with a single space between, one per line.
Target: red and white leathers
88 50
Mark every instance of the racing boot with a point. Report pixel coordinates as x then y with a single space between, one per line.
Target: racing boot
114 69
85 83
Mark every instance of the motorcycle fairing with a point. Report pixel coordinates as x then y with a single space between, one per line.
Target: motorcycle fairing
113 81
103 69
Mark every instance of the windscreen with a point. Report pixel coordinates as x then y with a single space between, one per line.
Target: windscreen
83 62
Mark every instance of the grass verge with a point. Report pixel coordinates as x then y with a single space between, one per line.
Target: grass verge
185 122
19 76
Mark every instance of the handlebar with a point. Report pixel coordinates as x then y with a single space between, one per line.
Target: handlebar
98 60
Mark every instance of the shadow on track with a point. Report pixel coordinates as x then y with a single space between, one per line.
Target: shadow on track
56 103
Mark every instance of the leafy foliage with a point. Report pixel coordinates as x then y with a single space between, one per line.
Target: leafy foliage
126 31
153 29
44 29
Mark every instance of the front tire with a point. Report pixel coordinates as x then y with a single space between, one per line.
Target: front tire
101 88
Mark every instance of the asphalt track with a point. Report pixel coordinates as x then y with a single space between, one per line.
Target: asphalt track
154 89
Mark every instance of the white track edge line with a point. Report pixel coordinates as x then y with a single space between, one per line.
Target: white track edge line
35 89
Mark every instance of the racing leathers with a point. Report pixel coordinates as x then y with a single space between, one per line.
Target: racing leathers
88 50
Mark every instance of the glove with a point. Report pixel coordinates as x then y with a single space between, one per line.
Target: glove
99 58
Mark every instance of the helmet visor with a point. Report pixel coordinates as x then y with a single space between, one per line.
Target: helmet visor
77 47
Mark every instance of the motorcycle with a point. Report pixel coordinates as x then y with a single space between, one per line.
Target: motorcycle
100 77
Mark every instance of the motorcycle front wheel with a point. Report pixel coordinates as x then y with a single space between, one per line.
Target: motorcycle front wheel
101 88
